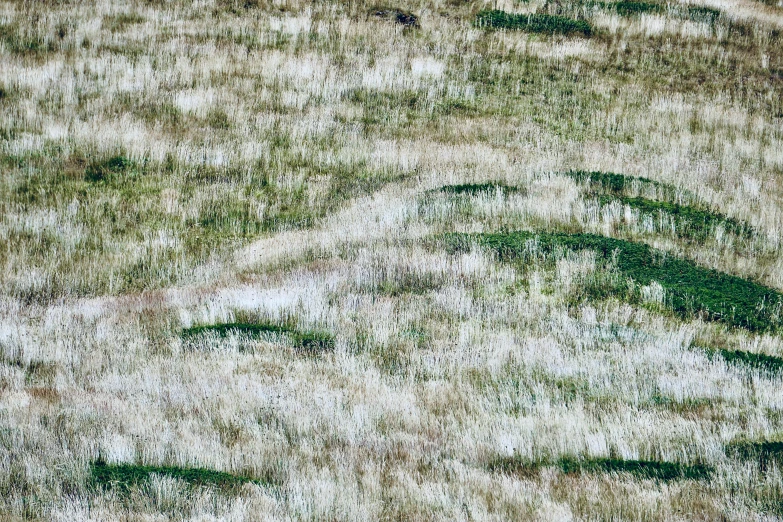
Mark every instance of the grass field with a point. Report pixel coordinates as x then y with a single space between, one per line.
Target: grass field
450 260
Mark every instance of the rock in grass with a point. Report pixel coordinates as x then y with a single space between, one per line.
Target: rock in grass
398 16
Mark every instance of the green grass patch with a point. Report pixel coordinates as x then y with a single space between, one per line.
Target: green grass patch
690 289
630 8
533 23
643 469
692 222
618 184
311 342
764 452
106 170
480 188
123 476
756 361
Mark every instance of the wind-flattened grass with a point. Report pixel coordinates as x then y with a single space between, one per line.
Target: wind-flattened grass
690 289
533 23
123 476
643 469
308 341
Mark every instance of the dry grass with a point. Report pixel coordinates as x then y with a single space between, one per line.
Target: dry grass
168 165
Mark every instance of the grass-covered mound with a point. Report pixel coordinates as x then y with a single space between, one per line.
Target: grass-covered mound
643 469
123 476
308 341
690 289
533 23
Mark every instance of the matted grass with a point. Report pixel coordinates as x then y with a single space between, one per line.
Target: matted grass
690 288
123 476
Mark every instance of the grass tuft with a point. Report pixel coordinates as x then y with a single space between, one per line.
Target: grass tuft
123 476
690 289
533 23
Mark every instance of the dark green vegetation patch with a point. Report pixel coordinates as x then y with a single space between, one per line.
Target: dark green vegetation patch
123 476
765 453
306 341
533 23
756 361
104 170
480 188
644 469
692 222
692 218
618 184
690 289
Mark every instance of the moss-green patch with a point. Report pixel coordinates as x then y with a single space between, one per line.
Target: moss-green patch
123 476
534 23
643 469
311 342
690 289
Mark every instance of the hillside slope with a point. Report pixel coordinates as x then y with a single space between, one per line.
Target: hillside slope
446 260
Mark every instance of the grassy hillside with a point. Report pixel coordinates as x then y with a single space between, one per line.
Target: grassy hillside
448 260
